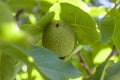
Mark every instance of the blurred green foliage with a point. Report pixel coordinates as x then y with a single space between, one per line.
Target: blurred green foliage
97 32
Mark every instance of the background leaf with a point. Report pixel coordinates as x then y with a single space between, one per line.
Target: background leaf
7 22
51 66
9 66
106 29
114 72
21 4
101 70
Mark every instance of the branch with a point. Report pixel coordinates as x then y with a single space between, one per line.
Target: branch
83 64
19 13
114 51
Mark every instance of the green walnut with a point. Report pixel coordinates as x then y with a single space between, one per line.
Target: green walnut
59 38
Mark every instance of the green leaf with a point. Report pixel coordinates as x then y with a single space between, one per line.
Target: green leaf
77 3
84 34
45 62
37 29
51 66
106 29
113 1
97 11
116 34
16 5
101 70
100 52
114 72
87 55
9 30
5 14
117 40
7 22
81 23
45 5
9 66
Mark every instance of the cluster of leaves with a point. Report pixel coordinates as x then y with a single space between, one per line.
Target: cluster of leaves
97 39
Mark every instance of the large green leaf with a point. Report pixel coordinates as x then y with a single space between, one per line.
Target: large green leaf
77 3
81 23
114 72
46 4
45 62
106 29
51 66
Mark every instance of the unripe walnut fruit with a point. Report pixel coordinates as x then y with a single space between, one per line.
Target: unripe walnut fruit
59 38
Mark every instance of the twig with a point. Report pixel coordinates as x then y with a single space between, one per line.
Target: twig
114 51
83 64
19 13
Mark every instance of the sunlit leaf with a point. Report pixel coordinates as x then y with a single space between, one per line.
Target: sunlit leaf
7 22
77 3
102 55
97 11
9 30
46 4
81 23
